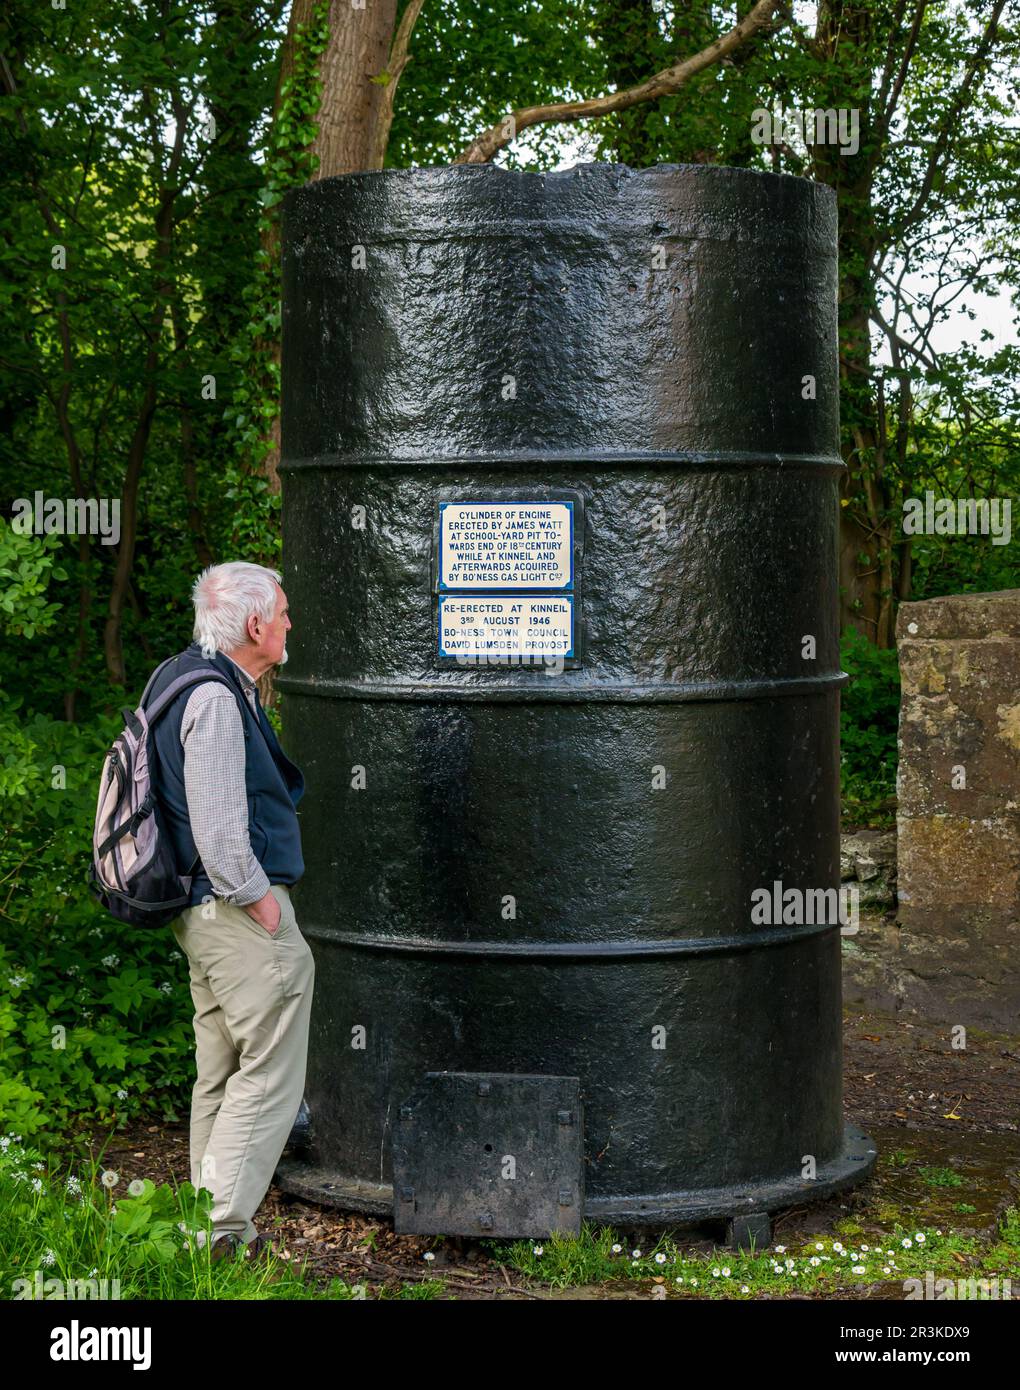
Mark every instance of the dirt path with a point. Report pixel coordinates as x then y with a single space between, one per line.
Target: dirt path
932 1110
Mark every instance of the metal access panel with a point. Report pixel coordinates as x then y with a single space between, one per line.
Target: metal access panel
489 1154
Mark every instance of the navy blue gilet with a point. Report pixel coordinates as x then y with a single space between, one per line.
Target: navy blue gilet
273 784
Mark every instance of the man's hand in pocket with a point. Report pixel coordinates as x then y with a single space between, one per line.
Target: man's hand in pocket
266 912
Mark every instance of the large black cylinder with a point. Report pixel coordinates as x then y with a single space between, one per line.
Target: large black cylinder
551 869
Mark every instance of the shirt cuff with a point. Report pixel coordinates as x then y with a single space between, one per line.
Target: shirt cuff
250 891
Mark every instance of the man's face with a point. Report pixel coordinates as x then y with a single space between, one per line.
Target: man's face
273 643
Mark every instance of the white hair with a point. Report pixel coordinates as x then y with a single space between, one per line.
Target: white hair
224 597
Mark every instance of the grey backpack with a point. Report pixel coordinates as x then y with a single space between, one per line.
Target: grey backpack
134 872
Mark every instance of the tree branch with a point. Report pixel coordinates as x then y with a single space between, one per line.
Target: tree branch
395 65
805 41
942 144
664 83
888 102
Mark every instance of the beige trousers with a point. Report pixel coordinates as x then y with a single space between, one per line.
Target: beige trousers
252 991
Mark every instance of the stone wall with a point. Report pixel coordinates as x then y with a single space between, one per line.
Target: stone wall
867 859
952 952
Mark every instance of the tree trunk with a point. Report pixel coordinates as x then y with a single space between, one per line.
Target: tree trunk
163 290
865 551
350 111
351 106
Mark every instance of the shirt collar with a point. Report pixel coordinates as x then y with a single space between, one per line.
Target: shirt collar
247 679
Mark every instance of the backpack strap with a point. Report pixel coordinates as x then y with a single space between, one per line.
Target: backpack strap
160 707
152 678
129 826
163 702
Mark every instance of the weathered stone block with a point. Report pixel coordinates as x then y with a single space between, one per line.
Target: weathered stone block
867 858
958 824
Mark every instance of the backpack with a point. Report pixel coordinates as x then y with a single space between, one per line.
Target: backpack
133 872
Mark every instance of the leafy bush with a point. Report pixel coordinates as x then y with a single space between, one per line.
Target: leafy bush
869 721
125 1240
27 563
963 565
94 1015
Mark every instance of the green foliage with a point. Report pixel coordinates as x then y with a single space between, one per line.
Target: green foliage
975 458
140 196
471 64
255 406
129 212
94 1015
128 1241
27 564
818 1266
940 1177
869 719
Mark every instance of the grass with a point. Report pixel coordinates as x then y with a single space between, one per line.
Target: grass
940 1177
89 1234
140 1241
815 1266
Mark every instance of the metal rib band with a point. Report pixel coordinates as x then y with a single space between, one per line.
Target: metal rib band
586 950
694 231
515 458
652 693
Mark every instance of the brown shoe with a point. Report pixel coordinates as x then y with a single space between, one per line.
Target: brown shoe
262 1249
226 1245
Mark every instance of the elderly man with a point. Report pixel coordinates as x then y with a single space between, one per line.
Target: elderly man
228 793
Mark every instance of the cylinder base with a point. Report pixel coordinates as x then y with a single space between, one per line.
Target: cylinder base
854 1163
